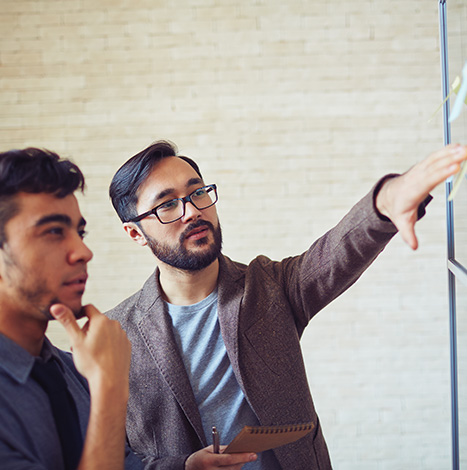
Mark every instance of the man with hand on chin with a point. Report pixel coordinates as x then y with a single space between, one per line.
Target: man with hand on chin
216 342
56 412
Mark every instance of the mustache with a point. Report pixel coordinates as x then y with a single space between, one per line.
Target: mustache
198 223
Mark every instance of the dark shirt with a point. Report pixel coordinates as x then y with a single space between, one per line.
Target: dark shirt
28 436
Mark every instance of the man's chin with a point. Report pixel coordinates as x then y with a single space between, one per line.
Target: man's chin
189 255
77 309
79 313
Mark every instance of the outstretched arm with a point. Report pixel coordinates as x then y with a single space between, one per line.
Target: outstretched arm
101 352
400 197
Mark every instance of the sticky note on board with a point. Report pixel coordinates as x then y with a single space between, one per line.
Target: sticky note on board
455 87
461 96
461 91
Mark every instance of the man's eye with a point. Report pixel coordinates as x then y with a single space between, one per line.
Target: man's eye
56 231
201 192
168 206
82 233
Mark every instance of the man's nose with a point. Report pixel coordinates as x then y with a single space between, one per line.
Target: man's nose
79 252
191 212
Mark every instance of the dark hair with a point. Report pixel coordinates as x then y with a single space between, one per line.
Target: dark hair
34 170
131 175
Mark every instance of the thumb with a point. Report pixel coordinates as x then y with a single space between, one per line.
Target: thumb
67 319
407 232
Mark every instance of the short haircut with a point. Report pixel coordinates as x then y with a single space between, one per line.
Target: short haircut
34 170
131 175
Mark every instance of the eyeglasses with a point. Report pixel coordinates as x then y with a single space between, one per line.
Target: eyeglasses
173 210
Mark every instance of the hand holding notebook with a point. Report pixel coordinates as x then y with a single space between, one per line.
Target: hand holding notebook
260 438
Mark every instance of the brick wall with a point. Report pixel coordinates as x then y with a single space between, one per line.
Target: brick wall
294 109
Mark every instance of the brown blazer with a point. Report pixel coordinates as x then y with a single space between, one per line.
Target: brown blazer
263 309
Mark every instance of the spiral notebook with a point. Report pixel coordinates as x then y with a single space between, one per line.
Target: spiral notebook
260 438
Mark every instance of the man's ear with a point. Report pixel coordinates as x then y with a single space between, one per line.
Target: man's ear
135 233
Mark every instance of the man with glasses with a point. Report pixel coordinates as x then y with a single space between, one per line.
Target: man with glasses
216 342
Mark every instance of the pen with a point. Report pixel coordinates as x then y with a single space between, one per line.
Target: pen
215 440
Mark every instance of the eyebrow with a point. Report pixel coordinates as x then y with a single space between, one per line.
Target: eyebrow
166 192
60 218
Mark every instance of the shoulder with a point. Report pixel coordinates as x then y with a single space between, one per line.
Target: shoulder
255 271
234 271
140 300
235 268
119 311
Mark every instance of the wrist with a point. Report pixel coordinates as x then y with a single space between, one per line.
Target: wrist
380 196
109 392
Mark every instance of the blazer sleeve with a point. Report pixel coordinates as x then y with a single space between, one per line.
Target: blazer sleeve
334 262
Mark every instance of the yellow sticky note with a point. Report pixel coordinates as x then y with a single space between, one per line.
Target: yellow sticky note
461 96
455 87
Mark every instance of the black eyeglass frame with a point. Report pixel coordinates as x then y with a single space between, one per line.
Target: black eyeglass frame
184 200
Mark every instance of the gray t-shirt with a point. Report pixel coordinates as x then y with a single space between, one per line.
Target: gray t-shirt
220 399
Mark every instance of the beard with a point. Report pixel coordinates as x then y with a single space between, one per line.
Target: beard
45 310
33 291
181 258
78 313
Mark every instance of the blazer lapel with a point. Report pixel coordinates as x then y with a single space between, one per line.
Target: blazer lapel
230 291
155 327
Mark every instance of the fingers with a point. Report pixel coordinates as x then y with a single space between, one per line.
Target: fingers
91 311
232 460
442 164
399 198
101 349
66 318
420 180
204 459
454 152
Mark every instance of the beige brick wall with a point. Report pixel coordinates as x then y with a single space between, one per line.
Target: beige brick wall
298 106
